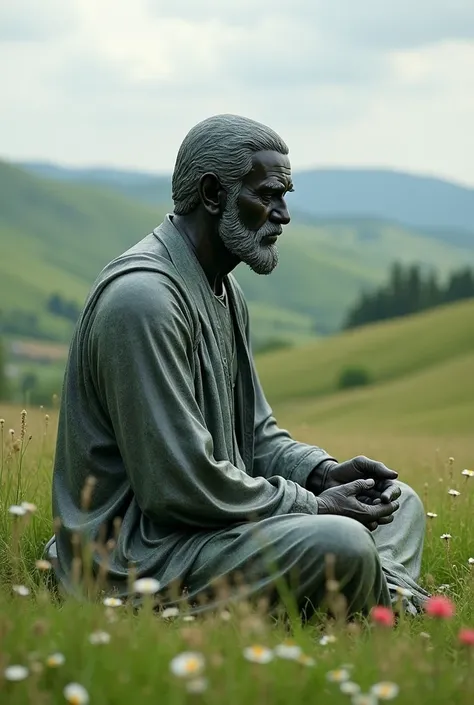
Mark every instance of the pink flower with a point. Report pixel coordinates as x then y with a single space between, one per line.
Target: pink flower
440 606
383 616
466 636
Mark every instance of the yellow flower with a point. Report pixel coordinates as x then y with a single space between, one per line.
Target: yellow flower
113 602
288 650
76 694
258 654
15 673
43 565
385 690
55 660
188 664
146 586
338 676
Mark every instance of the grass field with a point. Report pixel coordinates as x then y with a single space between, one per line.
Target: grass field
37 632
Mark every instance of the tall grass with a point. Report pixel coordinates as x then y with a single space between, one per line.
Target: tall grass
55 640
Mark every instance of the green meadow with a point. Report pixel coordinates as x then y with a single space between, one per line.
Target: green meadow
415 415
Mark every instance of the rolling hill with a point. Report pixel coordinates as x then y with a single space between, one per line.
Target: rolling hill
422 371
444 209
55 236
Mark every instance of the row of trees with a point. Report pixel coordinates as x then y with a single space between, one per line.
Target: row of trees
410 289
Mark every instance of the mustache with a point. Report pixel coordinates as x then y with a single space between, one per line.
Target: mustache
269 230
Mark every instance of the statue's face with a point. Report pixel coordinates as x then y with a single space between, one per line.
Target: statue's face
255 214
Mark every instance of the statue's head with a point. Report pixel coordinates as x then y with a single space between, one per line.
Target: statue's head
238 171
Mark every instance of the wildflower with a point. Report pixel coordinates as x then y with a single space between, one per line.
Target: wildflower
17 510
327 639
383 616
189 663
466 636
288 650
99 637
385 690
470 561
29 507
21 590
425 635
403 592
197 685
338 676
349 688
306 660
454 493
146 586
76 694
440 607
258 654
446 537
189 618
431 515
364 699
16 673
468 473
225 616
55 660
43 565
113 602
170 613
444 587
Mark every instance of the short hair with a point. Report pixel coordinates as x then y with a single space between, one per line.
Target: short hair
223 145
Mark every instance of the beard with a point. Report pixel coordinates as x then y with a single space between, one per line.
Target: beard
249 245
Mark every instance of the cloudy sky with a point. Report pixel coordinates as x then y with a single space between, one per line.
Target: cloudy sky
345 82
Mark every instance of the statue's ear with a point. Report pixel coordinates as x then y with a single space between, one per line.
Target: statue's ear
212 194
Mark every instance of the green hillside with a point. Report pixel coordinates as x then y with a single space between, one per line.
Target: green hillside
422 370
56 236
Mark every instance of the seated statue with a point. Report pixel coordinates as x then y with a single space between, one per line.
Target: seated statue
163 418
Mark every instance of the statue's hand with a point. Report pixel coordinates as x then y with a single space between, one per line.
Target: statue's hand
344 500
384 489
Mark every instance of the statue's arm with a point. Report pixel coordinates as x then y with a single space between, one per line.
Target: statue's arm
141 344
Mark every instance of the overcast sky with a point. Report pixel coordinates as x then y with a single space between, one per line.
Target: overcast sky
345 82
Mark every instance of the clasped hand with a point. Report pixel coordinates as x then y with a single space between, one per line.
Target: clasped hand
361 489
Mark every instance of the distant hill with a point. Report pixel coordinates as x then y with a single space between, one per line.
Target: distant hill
441 207
56 235
422 370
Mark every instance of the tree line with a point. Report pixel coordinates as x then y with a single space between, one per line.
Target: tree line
409 289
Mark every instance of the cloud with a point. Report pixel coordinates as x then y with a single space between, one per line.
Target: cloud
346 81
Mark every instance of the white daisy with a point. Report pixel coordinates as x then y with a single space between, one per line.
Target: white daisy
431 515
112 602
29 507
306 660
17 511
146 586
225 616
288 650
446 537
76 694
454 493
468 473
385 690
187 664
470 561
16 673
364 699
444 587
21 590
99 637
55 660
338 676
189 618
258 654
327 639
349 688
197 685
170 613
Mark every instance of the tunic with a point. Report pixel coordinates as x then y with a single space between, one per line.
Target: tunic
182 444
